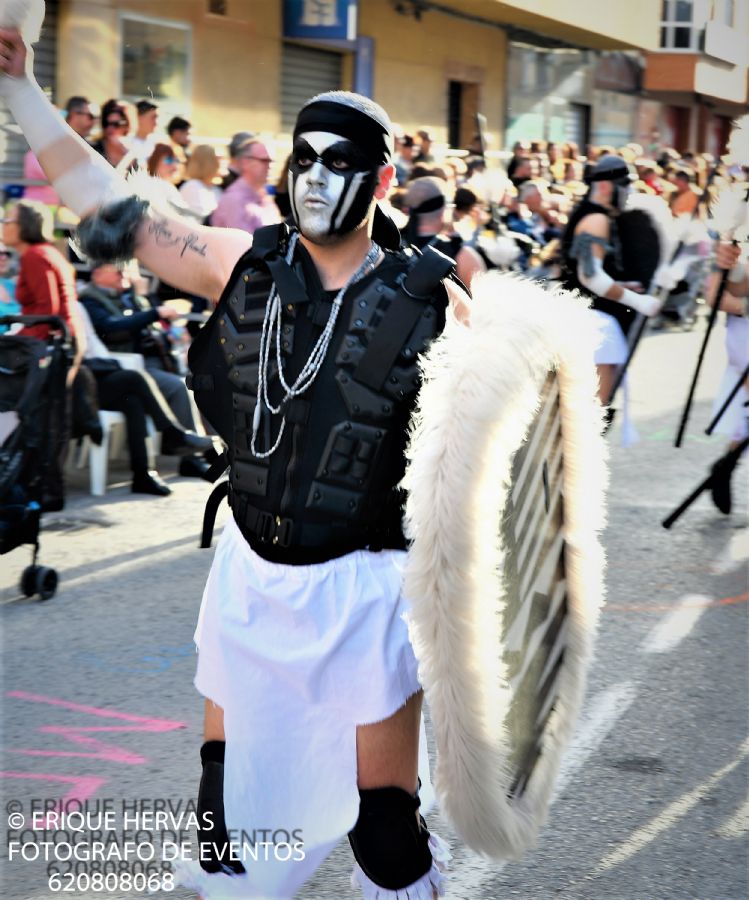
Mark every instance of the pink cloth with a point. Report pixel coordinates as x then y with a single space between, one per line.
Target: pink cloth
32 171
243 207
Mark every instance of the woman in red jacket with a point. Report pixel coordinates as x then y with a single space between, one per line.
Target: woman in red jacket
46 280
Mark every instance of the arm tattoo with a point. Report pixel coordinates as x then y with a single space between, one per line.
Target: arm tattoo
164 237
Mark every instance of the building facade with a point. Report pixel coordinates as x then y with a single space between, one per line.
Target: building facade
534 68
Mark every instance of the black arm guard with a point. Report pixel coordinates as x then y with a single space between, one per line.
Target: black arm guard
214 851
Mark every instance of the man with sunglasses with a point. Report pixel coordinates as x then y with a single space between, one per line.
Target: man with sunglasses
246 203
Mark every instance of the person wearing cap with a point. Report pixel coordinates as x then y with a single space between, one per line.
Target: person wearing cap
232 151
426 203
246 203
590 264
310 374
143 142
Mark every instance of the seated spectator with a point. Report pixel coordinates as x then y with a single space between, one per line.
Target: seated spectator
684 199
143 142
199 190
520 150
126 322
163 166
544 222
522 172
233 150
115 126
650 174
136 395
404 158
246 203
424 155
9 306
178 130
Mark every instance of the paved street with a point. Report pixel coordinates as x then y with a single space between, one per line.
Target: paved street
98 700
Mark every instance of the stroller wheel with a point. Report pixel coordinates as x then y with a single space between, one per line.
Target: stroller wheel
39 580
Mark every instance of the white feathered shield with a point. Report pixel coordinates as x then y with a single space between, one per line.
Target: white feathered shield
482 390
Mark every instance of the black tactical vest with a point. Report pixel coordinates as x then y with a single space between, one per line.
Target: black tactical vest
612 265
332 485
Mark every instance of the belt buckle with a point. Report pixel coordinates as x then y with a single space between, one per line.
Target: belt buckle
265 527
283 535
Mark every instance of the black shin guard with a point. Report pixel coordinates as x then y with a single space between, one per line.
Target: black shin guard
213 842
390 840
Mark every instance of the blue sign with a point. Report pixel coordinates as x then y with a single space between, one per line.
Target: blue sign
322 20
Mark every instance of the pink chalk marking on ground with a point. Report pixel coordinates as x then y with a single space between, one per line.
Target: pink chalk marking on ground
84 786
155 724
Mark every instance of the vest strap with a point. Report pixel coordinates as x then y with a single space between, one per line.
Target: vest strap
405 310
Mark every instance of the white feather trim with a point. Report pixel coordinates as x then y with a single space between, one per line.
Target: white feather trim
480 393
730 212
25 15
426 888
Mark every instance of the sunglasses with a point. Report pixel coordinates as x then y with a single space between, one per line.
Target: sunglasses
171 160
116 123
4 254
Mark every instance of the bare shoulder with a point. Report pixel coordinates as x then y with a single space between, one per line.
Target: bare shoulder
458 301
596 224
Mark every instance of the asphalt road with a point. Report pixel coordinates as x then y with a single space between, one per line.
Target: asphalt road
97 699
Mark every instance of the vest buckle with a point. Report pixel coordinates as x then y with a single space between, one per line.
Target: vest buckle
272 529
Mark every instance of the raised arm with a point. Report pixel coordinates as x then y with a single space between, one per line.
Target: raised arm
189 256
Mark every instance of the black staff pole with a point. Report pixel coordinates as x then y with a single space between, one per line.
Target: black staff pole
710 323
736 388
730 458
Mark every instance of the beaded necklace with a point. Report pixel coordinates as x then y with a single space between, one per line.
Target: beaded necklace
305 379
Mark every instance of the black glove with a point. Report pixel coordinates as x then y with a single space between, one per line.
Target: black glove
214 850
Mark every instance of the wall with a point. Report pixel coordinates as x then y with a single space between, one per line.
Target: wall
414 60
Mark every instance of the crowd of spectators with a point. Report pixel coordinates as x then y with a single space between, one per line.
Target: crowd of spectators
507 211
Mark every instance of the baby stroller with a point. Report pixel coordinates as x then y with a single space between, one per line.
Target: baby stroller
33 426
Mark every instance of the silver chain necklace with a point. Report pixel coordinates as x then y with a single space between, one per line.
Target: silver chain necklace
306 377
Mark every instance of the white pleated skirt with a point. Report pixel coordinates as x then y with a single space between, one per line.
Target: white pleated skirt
297 657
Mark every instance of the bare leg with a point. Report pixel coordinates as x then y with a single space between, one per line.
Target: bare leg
606 378
387 753
213 722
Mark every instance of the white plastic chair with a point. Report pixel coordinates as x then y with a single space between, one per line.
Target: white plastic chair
114 428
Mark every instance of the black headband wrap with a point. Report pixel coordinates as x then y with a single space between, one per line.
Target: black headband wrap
615 173
430 205
373 139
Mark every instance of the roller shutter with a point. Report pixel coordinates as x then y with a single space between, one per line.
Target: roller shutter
305 72
13 146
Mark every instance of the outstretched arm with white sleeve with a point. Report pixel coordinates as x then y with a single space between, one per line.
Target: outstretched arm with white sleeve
189 256
591 236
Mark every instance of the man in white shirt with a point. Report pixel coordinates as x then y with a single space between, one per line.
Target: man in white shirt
143 142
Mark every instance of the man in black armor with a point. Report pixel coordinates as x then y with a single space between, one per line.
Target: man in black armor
592 263
308 371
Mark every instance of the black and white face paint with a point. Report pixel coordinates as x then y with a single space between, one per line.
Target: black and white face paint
331 185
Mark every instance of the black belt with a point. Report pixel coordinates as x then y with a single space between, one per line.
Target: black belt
282 540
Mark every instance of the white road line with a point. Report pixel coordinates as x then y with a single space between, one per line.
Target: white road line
676 625
670 815
596 723
738 824
734 555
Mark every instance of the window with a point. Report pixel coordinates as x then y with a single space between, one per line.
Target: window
156 62
677 25
723 12
217 7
